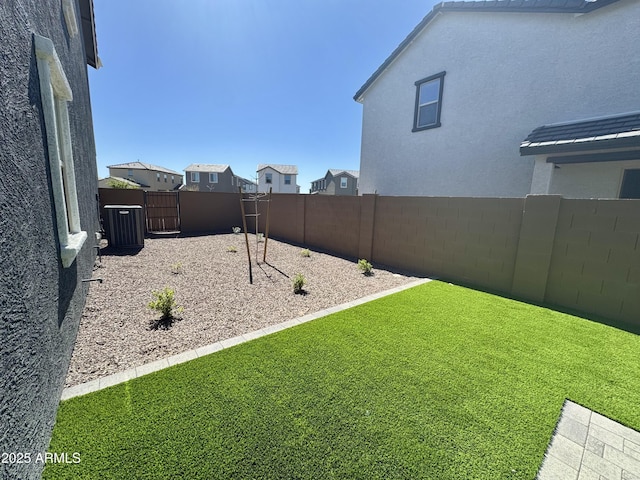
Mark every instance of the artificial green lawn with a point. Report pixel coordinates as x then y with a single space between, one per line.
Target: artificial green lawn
435 382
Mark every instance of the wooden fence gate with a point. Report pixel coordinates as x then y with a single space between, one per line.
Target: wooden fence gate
162 211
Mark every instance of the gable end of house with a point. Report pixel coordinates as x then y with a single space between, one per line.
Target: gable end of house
501 6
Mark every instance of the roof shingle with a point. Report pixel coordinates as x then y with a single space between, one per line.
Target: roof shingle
283 169
143 166
604 132
206 167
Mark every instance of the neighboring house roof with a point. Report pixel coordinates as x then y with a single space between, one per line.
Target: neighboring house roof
519 6
133 183
335 172
206 167
616 131
283 169
244 180
143 166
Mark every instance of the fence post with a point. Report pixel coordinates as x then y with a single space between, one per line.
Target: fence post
537 235
367 223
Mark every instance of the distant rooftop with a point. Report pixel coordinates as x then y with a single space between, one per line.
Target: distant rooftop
206 167
335 172
143 166
283 169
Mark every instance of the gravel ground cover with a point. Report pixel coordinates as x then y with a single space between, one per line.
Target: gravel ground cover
209 275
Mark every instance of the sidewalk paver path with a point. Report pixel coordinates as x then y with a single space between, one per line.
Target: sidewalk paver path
589 446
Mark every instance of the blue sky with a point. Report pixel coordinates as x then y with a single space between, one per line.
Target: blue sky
239 82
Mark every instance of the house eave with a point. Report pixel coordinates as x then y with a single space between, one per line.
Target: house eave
578 145
89 33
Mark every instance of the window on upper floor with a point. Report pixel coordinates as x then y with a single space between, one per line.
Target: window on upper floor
287 179
195 177
55 93
157 176
268 177
428 102
165 179
173 179
213 177
343 182
129 173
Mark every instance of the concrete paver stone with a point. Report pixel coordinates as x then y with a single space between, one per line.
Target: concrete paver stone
593 446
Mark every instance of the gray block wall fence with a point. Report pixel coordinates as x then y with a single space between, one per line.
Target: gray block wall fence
40 301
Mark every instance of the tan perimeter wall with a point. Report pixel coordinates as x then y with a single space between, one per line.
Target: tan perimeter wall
578 254
595 265
205 212
472 240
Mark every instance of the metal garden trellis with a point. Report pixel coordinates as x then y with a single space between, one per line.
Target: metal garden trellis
256 199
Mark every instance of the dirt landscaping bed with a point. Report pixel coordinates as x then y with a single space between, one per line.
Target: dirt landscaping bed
211 283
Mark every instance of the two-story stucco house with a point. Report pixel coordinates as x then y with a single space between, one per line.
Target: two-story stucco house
206 177
48 214
482 97
149 177
336 182
280 178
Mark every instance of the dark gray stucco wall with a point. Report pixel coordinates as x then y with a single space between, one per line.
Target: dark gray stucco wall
40 302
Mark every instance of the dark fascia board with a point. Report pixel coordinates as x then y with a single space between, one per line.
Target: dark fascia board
516 6
596 157
89 32
553 147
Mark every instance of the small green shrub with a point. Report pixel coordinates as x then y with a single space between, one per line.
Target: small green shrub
305 253
365 267
165 303
176 268
236 230
298 283
232 249
260 237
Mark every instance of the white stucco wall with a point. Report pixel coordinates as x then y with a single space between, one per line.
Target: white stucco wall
278 185
506 74
581 180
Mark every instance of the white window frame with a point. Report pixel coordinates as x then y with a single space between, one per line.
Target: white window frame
55 93
195 177
268 178
287 179
344 182
213 177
